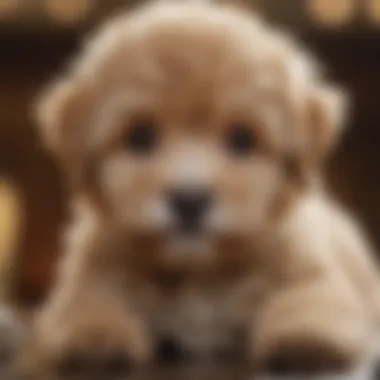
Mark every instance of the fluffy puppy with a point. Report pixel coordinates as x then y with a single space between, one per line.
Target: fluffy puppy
192 135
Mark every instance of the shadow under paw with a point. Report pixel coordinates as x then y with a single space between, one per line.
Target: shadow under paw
115 365
303 360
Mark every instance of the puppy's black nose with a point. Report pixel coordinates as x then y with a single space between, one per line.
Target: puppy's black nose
190 207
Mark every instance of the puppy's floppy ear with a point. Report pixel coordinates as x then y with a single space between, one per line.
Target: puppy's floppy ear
327 112
62 114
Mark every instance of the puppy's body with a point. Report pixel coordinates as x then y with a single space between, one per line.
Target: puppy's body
193 135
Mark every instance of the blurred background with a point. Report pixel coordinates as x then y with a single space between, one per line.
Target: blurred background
37 37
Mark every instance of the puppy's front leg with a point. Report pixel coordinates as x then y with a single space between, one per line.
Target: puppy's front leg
314 326
86 327
311 325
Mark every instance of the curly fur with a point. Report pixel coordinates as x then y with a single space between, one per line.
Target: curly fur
283 263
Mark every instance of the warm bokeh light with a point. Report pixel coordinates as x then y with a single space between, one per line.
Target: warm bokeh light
332 13
373 11
68 11
7 7
10 222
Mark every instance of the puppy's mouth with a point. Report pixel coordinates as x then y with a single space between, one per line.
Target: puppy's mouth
189 237
191 228
188 245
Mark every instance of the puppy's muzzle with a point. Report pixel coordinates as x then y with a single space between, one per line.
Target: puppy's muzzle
190 208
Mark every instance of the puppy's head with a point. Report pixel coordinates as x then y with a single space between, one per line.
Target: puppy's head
192 122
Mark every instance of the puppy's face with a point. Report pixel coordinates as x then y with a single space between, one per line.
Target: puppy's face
188 116
192 174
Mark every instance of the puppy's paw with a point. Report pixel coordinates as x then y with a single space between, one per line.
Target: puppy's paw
306 349
319 328
107 349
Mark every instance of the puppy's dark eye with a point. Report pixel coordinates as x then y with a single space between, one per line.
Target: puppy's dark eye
240 139
142 137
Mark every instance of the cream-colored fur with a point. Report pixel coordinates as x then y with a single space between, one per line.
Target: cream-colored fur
280 264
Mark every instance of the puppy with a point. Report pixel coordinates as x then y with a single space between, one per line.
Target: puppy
192 136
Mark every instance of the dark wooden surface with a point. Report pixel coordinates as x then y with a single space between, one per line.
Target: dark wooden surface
206 371
215 371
